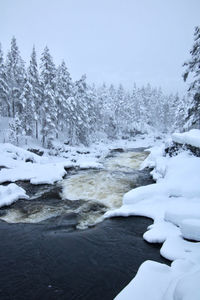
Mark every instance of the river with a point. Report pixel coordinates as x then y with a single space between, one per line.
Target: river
57 246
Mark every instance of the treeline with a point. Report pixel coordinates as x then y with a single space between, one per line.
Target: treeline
45 103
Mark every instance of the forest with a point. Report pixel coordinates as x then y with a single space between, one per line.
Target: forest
44 103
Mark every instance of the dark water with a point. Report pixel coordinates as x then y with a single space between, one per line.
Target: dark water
49 262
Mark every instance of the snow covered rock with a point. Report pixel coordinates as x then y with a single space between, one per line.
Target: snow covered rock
190 229
191 137
12 156
150 283
182 212
160 231
187 287
36 173
10 194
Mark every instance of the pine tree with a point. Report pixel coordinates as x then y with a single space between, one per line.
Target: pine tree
48 109
4 105
193 67
15 75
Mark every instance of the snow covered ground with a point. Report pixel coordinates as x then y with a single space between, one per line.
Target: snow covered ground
174 205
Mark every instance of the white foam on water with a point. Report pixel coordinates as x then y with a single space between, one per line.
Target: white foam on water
125 161
103 186
16 216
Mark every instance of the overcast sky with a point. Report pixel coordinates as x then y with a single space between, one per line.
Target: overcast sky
113 41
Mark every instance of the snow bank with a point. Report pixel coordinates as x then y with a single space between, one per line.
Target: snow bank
150 276
11 156
190 229
191 137
36 173
10 194
159 282
173 202
20 164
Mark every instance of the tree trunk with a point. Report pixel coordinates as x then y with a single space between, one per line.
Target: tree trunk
36 129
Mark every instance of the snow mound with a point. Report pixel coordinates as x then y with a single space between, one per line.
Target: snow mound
150 276
157 281
160 231
191 137
36 173
20 164
11 156
187 288
190 229
10 194
185 211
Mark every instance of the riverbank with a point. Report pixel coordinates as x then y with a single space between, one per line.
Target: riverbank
173 203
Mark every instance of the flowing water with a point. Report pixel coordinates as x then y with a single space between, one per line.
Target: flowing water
85 195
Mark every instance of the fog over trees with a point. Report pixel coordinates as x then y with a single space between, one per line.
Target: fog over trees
44 102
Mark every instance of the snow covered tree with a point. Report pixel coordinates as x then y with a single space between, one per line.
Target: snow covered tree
181 113
193 67
15 75
83 111
119 109
4 105
103 107
35 100
110 111
28 111
48 108
64 89
15 129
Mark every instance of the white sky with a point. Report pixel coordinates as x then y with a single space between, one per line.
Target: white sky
113 41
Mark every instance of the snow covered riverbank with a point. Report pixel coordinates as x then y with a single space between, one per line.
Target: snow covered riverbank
17 163
174 205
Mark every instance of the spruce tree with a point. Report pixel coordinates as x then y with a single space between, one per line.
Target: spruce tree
64 88
193 68
48 108
4 104
35 91
15 74
27 114
82 109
